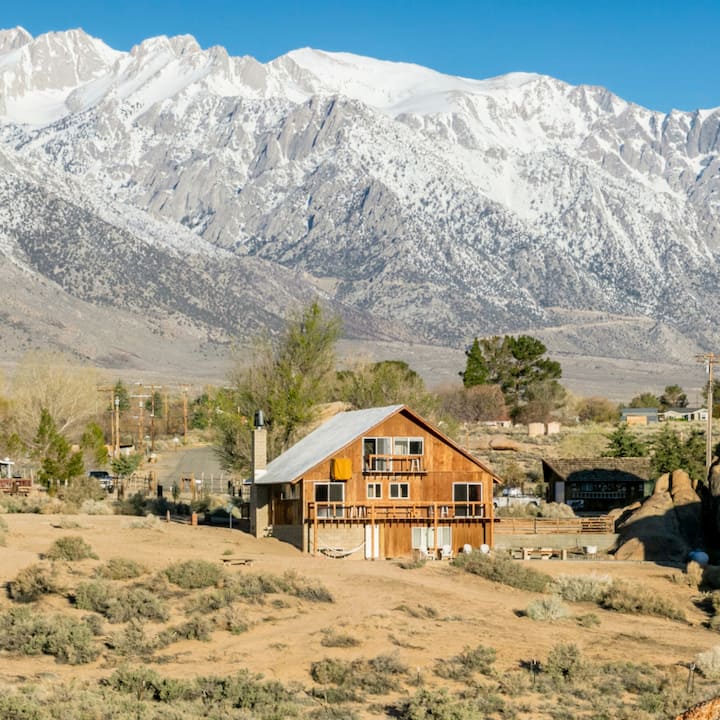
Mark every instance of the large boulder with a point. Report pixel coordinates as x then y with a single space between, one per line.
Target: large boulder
666 526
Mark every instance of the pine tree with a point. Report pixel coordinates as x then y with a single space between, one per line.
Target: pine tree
58 464
622 443
476 368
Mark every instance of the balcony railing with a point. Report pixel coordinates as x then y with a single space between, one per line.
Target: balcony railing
397 511
396 464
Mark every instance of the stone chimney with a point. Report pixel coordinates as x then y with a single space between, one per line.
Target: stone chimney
259 494
259 447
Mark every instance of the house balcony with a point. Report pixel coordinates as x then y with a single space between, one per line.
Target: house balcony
394 465
398 511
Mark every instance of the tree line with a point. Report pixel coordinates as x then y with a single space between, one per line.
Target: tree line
53 415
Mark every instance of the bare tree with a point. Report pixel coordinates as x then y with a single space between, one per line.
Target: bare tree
50 381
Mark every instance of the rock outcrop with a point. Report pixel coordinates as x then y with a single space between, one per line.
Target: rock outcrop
666 526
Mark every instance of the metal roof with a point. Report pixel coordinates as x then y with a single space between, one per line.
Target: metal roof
330 437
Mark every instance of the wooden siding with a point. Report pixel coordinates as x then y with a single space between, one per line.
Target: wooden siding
440 466
430 502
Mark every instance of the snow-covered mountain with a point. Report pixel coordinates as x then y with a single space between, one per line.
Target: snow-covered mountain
203 194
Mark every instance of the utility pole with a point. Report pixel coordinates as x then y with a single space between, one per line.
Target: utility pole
141 415
116 447
110 389
152 416
709 359
185 413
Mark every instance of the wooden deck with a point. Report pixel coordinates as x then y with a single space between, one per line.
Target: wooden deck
399 511
553 526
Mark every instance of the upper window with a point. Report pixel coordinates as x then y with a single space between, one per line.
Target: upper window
408 446
393 454
377 453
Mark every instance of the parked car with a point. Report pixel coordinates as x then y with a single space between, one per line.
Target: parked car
106 480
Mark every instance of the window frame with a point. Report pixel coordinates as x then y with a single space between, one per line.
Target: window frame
329 512
409 439
377 491
399 485
464 510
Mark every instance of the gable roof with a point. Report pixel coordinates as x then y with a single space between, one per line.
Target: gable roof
333 436
597 468
685 410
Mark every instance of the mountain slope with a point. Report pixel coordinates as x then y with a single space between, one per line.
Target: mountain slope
426 207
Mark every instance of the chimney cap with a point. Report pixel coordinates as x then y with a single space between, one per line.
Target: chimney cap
259 420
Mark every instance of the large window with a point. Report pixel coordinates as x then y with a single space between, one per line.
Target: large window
388 454
377 452
408 446
330 497
399 491
424 537
470 493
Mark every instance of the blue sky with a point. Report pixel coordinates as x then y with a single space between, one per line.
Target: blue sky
660 54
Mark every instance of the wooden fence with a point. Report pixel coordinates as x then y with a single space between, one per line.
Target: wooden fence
554 526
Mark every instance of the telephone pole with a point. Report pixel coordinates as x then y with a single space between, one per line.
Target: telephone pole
113 428
710 360
141 415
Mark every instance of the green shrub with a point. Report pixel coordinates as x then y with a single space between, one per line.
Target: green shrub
471 660
502 569
564 662
334 639
120 569
19 707
133 641
421 611
24 632
235 621
436 705
70 547
198 628
306 589
377 676
626 598
581 588
33 582
549 609
708 663
70 641
142 682
588 620
81 489
244 691
194 574
119 604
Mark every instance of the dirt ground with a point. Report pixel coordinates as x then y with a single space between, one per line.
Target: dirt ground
371 603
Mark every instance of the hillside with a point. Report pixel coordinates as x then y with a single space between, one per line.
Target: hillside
418 617
196 197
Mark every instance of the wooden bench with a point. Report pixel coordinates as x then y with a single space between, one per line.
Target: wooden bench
543 553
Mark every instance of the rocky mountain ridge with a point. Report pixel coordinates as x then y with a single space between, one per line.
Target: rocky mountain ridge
426 208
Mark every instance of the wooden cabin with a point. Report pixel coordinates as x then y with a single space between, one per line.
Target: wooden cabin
374 483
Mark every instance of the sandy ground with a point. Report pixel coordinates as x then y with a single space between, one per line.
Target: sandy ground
282 642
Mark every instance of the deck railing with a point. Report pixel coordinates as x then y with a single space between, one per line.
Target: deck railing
395 464
397 511
553 526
